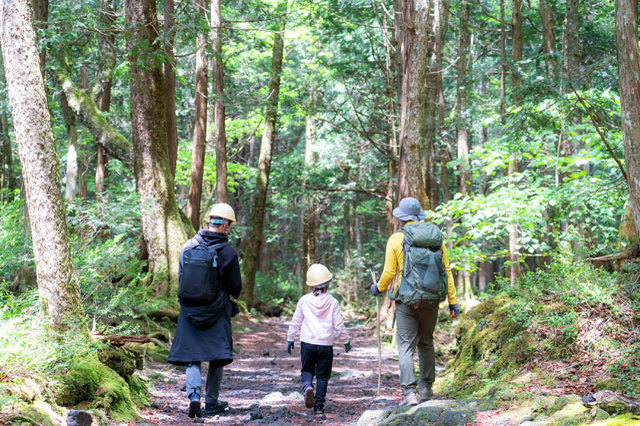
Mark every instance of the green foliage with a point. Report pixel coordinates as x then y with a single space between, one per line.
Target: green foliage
278 289
16 252
626 368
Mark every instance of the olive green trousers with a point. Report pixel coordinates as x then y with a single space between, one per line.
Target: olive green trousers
415 325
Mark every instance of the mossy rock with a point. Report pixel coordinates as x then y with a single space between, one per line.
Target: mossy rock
123 361
490 342
139 391
155 353
516 353
31 415
608 384
622 420
91 381
571 414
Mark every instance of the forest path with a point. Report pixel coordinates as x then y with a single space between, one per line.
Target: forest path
262 368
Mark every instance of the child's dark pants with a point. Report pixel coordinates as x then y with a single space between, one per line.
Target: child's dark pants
316 361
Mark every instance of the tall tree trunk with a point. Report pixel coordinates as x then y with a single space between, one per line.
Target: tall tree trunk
170 85
40 10
200 127
72 151
309 227
83 158
503 65
515 270
389 71
461 95
102 86
8 175
220 134
571 41
629 80
57 281
548 36
439 24
164 233
256 233
413 42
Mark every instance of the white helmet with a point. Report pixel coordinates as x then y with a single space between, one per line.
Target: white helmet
224 211
318 274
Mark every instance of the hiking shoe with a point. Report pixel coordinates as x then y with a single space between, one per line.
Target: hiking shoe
318 409
194 406
409 399
426 394
309 400
213 408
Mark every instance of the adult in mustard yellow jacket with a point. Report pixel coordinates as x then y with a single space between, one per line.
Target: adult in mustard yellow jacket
415 323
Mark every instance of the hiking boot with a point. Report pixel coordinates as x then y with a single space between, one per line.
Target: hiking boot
409 399
194 406
309 400
426 394
318 409
213 408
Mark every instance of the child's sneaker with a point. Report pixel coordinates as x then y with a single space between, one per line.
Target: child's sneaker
309 401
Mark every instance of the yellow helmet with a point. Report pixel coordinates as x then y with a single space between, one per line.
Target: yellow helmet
222 210
318 274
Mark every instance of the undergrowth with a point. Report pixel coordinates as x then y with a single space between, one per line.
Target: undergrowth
568 317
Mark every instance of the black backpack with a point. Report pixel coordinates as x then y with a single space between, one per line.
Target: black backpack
198 280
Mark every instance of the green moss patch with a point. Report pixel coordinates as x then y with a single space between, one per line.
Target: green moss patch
491 343
91 382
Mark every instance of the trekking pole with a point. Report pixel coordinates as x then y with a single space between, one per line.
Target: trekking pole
373 277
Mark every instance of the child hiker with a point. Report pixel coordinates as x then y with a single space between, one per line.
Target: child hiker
318 321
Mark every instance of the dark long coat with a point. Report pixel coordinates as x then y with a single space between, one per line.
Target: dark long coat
204 332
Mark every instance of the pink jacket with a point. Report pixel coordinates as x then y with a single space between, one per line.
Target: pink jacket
318 320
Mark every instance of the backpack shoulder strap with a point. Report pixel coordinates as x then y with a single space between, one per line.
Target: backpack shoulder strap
199 239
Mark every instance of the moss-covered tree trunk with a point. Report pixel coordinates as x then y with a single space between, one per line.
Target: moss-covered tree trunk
161 224
57 282
102 86
412 46
88 113
256 232
629 80
170 85
220 133
200 127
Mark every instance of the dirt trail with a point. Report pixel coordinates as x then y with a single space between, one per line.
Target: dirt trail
262 368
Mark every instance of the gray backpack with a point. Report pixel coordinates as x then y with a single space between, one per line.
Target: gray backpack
423 273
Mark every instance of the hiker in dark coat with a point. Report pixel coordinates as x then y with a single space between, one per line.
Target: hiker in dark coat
204 330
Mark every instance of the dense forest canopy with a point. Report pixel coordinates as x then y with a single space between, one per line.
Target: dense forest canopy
514 140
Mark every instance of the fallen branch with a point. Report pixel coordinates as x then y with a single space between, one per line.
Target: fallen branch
630 253
172 314
121 339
